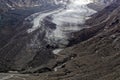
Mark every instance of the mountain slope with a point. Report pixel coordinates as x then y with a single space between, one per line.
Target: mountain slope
14 38
97 58
94 56
20 49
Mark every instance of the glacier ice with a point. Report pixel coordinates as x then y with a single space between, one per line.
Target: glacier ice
67 19
76 12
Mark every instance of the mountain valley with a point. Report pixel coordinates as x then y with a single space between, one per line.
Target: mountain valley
59 40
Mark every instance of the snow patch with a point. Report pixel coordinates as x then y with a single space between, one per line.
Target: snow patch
10 6
76 12
61 2
68 19
56 51
7 77
39 18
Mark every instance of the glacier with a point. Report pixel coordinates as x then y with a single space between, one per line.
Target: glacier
76 12
68 18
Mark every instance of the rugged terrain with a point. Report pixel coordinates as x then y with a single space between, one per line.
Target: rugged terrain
13 32
96 58
92 54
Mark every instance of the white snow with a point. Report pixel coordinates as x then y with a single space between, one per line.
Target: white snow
37 20
56 51
75 13
60 2
37 5
10 6
66 20
5 77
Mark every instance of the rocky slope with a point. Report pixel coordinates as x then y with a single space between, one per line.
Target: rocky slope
94 56
12 4
23 50
13 33
100 4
